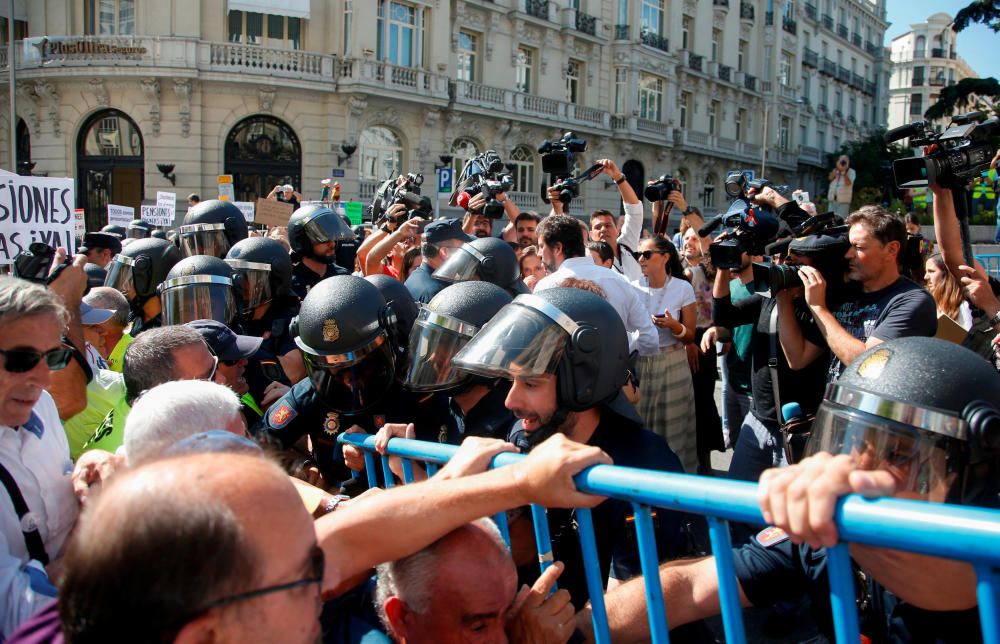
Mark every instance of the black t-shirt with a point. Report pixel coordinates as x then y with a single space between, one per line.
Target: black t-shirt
902 309
804 386
304 278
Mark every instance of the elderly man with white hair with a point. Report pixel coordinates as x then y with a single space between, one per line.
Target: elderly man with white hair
176 410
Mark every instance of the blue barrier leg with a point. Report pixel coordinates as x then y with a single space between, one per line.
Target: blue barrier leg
542 539
592 568
843 603
500 518
729 594
370 469
387 472
988 594
407 470
651 574
432 469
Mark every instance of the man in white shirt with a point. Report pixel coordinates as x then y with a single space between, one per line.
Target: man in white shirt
560 243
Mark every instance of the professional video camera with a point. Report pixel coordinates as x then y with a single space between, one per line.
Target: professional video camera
830 261
558 159
965 149
407 192
748 226
484 175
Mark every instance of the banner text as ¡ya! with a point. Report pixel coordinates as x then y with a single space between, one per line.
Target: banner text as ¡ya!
34 209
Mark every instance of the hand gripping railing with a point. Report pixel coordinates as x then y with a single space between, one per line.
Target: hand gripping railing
952 532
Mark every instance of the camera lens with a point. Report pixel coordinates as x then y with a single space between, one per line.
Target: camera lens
783 276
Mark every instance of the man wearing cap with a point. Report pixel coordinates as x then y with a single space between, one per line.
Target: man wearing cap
109 336
440 238
100 248
233 352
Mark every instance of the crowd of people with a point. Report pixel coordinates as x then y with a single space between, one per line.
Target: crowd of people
171 403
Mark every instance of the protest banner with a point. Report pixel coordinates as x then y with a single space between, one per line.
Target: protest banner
226 191
272 213
354 211
79 223
156 215
120 215
247 208
35 209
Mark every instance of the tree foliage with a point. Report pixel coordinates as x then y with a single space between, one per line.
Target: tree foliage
986 12
972 93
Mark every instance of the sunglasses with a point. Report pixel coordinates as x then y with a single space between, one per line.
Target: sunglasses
22 360
646 254
317 564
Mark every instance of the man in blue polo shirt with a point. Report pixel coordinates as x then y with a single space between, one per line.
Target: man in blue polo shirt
439 239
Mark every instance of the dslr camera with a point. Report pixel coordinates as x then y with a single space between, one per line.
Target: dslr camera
406 192
965 149
558 159
660 189
484 175
35 264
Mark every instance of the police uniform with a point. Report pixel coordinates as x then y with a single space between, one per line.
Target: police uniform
304 278
489 418
422 285
278 342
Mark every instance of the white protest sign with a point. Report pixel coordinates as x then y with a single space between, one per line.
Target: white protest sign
35 209
167 200
120 215
226 192
156 216
247 208
80 223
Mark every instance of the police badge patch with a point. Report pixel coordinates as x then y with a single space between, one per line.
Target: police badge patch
281 416
332 424
771 536
330 330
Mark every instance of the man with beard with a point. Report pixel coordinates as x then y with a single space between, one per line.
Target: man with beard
524 228
566 353
313 234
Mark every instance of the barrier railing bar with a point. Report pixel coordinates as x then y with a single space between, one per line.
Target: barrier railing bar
431 468
843 602
650 563
407 470
370 469
592 570
729 594
543 542
988 594
500 518
387 472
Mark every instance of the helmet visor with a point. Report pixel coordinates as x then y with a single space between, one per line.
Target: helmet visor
520 341
325 227
253 283
204 239
120 276
924 464
434 341
356 384
139 231
461 266
198 297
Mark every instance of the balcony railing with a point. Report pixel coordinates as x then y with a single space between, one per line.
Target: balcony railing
829 67
937 52
917 81
871 48
789 25
252 58
525 200
837 114
857 81
586 23
621 32
509 101
695 62
856 40
725 73
787 91
812 12
746 11
537 8
937 82
765 86
843 75
828 21
654 40
869 88
810 58
750 82
842 31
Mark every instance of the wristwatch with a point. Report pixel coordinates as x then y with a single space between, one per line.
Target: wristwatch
620 180
334 501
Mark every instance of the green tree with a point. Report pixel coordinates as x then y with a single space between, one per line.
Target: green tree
975 93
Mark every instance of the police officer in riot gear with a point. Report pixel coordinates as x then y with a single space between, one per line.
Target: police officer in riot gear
212 227
136 272
199 287
487 259
403 306
918 418
566 352
314 232
138 229
115 230
346 332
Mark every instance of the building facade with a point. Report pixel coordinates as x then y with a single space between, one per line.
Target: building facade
924 61
299 90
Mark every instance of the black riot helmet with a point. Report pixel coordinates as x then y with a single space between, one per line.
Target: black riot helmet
199 288
263 271
115 230
569 332
96 276
926 410
315 224
443 327
401 305
343 330
159 233
212 227
140 267
138 229
487 259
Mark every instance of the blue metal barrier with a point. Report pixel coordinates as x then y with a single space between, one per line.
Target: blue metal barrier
991 263
952 532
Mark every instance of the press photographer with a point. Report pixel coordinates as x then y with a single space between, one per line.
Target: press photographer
482 193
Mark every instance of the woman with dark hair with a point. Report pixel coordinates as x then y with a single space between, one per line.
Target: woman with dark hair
667 402
531 266
411 259
947 292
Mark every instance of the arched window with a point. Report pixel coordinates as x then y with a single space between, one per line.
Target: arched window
110 163
381 154
461 151
919 47
522 162
262 152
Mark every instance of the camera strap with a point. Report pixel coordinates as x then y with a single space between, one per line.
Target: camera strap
32 538
772 360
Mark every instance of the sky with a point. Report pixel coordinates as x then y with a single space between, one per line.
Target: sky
977 44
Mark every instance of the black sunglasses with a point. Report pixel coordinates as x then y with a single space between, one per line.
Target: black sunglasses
22 360
317 564
646 254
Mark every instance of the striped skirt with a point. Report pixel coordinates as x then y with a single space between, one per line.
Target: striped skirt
667 403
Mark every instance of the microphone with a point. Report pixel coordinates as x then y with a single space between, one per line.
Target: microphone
462 201
792 411
710 226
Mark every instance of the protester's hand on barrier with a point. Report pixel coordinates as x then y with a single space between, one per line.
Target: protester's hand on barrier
800 499
536 616
92 469
272 393
354 457
392 430
473 456
976 287
546 474
814 284
71 282
694 358
307 470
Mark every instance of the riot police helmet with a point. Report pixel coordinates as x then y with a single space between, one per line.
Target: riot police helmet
199 287
96 275
138 229
315 224
343 330
401 305
924 409
565 331
443 327
115 230
262 271
159 233
487 259
140 267
212 227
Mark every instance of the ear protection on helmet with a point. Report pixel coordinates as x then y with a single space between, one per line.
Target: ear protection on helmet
582 355
488 269
142 276
389 321
984 430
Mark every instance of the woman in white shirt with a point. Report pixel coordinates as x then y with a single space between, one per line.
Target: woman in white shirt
667 403
947 292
